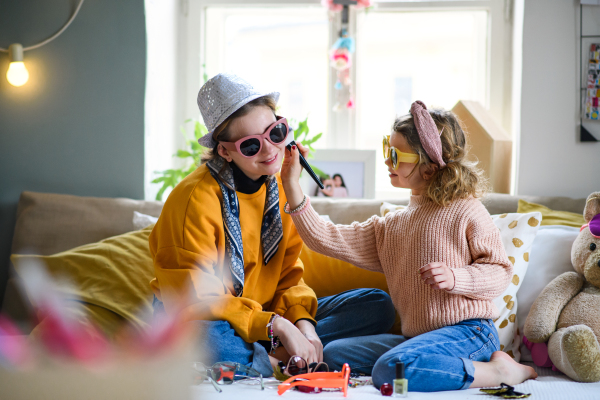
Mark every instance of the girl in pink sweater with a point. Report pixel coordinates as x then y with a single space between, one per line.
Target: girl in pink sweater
442 257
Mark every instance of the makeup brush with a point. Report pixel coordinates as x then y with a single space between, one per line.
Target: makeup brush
289 143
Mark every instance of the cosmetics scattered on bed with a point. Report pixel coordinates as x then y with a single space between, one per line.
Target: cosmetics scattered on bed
386 389
506 392
400 383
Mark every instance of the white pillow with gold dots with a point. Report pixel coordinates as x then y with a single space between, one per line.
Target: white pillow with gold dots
517 231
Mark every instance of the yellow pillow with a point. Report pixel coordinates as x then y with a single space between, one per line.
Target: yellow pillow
328 276
552 217
110 279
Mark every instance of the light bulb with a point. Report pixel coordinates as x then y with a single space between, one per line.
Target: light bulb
17 74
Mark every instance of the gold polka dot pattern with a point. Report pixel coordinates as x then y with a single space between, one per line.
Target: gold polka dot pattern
518 232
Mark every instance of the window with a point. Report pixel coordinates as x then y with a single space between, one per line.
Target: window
279 48
435 51
439 57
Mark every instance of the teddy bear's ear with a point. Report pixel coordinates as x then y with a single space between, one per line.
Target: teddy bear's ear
592 206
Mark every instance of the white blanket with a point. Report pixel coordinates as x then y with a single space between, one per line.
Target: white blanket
549 385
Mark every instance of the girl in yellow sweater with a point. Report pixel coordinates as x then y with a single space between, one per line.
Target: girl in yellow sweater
226 256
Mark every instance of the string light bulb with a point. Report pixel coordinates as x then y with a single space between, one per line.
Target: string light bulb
17 74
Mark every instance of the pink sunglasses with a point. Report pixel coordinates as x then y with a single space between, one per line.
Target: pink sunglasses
250 146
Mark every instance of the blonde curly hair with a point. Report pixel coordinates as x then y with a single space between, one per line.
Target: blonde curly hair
460 178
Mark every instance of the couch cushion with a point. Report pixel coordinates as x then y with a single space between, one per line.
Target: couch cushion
553 217
346 211
51 223
109 280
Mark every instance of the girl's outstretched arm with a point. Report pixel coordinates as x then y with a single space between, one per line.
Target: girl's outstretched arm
357 243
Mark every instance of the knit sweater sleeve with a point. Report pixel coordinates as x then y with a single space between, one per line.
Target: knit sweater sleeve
490 271
357 243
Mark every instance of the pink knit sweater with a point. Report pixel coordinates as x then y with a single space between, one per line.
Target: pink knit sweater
462 235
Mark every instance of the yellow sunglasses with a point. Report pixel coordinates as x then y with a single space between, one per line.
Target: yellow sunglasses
396 156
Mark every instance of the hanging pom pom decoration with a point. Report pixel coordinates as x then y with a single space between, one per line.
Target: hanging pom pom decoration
340 54
333 6
347 80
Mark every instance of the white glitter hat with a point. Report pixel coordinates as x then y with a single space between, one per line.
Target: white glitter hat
221 96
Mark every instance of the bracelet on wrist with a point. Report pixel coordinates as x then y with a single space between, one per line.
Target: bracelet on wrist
287 210
274 339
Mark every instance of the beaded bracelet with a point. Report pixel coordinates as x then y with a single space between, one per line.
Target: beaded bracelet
274 339
286 208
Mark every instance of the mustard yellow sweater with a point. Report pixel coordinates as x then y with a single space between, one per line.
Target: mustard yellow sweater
192 267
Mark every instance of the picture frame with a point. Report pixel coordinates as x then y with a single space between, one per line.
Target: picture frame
356 167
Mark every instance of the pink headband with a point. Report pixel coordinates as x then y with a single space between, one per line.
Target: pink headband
428 133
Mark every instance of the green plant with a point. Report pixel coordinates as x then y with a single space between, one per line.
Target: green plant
301 135
169 178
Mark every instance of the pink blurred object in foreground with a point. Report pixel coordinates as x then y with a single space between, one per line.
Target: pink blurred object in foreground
13 344
63 335
72 339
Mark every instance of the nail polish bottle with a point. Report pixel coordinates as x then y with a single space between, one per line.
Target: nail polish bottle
400 383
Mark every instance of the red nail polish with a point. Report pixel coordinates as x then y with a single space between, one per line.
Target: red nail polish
386 389
294 147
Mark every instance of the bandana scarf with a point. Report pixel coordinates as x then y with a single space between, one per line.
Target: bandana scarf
271 231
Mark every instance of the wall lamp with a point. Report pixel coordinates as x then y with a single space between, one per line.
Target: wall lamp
17 74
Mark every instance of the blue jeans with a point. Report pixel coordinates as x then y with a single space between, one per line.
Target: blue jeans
434 361
358 312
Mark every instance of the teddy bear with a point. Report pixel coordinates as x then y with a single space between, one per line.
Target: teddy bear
566 314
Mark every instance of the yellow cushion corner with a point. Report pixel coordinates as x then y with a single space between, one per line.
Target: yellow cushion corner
552 217
110 280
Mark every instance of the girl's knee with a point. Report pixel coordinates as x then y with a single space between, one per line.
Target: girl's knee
383 309
384 370
334 354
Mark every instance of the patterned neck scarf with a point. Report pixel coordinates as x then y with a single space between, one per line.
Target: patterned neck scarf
271 231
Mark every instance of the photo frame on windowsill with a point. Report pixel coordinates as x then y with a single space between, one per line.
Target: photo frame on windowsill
355 167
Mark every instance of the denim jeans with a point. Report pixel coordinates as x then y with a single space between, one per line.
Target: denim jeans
434 361
357 312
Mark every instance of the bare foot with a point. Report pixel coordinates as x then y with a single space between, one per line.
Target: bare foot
501 369
513 372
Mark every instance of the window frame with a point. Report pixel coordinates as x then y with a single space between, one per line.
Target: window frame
499 55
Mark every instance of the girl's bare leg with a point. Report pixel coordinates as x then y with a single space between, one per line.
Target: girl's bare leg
501 369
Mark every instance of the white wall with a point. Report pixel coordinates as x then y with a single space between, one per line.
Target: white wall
551 160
